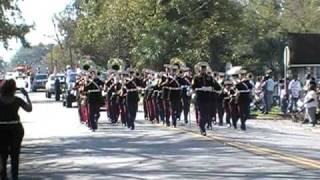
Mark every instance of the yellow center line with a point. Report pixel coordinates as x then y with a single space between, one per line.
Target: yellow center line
261 151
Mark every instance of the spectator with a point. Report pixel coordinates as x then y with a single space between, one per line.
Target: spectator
307 83
283 99
268 89
311 103
11 129
294 92
258 94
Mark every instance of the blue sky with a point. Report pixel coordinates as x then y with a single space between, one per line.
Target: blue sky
40 13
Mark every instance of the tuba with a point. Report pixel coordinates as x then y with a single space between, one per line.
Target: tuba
116 64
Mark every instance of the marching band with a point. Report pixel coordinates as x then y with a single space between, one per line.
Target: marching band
167 96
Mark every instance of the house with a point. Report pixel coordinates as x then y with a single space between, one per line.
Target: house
304 55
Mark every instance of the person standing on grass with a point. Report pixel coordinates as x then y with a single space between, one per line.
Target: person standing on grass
311 103
294 92
11 129
268 89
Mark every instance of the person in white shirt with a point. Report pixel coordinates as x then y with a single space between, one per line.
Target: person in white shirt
311 103
294 92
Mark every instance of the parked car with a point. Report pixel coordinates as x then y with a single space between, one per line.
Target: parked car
2 78
70 94
51 81
39 82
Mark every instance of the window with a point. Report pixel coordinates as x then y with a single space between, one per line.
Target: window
39 77
318 73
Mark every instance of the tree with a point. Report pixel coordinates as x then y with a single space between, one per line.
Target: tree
148 33
3 65
33 56
10 27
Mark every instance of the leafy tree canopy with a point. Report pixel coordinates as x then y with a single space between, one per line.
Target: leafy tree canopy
11 23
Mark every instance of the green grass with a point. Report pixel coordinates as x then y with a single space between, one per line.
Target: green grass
275 113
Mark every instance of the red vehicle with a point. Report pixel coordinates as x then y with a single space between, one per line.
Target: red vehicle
1 79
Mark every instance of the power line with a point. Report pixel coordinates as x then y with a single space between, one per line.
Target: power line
194 11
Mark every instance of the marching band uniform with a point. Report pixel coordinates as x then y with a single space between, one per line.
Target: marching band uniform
220 99
203 86
174 96
114 101
132 100
108 84
144 86
122 106
213 103
186 96
250 86
233 106
226 101
165 98
243 102
149 98
93 90
159 98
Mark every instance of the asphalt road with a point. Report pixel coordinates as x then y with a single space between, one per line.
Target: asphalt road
57 146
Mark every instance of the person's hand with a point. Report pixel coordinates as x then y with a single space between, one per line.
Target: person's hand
24 92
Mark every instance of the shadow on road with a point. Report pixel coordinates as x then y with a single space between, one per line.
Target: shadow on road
115 153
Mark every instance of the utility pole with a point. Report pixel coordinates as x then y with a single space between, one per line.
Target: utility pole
51 60
71 58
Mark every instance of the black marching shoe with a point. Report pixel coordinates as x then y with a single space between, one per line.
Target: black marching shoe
203 133
243 127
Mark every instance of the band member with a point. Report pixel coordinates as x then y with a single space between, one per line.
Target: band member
247 80
108 84
203 86
243 100
226 95
95 100
165 94
233 105
216 90
122 99
158 99
220 98
186 93
144 80
149 97
132 100
114 92
174 85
